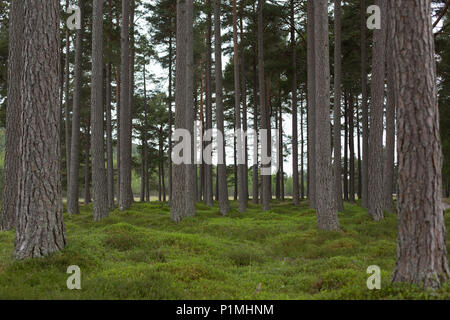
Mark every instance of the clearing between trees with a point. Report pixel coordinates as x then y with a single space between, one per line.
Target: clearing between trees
140 254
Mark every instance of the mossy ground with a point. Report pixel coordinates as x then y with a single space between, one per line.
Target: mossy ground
141 254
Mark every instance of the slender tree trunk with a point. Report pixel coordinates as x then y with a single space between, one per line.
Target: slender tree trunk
346 144
359 157
375 181
265 114
170 119
208 87
40 227
222 185
66 109
72 196
10 192
87 175
326 210
388 167
244 102
337 105
237 114
125 193
421 253
351 131
295 183
311 104
99 185
280 145
302 173
255 182
365 109
190 195
118 101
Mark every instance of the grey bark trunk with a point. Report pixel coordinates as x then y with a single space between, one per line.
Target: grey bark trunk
99 185
337 105
208 91
326 209
375 182
295 191
222 186
10 191
40 227
421 253
365 109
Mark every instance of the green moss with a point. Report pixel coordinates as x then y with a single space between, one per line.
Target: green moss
140 254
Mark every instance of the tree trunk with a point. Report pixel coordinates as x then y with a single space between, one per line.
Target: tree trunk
295 193
375 181
40 228
99 185
208 88
125 193
302 173
359 156
388 167
345 175
170 119
13 118
87 176
326 210
244 103
66 109
421 253
365 109
351 142
337 105
118 153
311 104
237 114
72 196
265 113
222 185
255 181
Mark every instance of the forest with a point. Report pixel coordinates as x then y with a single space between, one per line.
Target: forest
224 149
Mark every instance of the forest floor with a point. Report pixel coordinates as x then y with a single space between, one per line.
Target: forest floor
141 254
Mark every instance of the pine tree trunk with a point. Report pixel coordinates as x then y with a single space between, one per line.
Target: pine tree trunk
125 110
237 118
265 113
359 157
351 143
118 153
66 108
13 118
325 188
255 181
99 185
346 133
109 139
40 228
87 175
388 167
375 181
190 195
208 88
421 253
222 185
365 109
302 173
311 104
72 196
337 105
295 183
244 103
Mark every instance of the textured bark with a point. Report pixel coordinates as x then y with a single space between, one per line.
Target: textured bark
265 113
73 193
311 56
365 108
222 186
170 119
109 140
191 177
118 89
87 175
125 111
255 181
13 118
66 107
177 202
144 166
358 132
208 92
237 117
345 173
244 100
351 146
388 166
99 185
375 181
295 191
421 253
40 227
302 171
326 210
337 105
